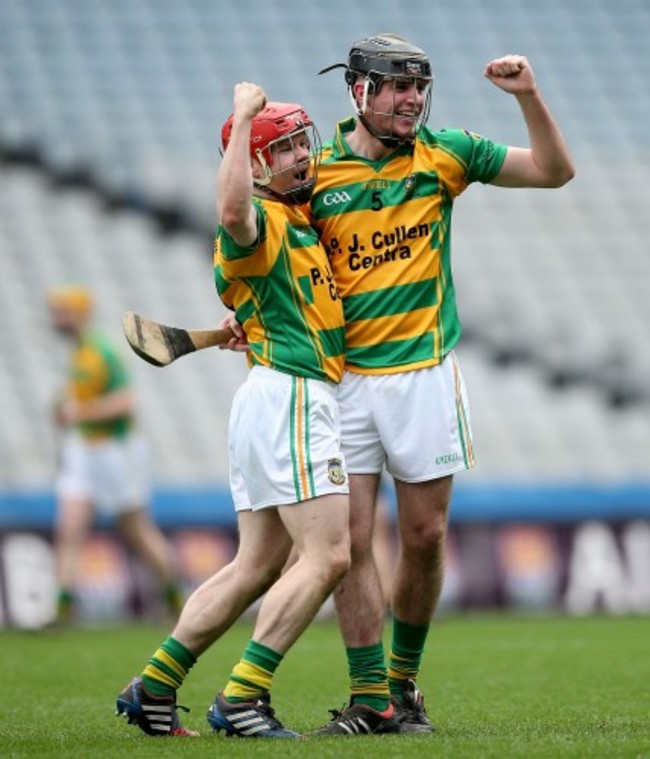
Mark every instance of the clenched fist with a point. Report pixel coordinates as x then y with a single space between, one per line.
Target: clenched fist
512 74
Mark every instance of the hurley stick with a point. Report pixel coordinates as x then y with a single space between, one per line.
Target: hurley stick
160 345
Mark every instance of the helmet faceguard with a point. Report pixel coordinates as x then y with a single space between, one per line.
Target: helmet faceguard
278 130
375 60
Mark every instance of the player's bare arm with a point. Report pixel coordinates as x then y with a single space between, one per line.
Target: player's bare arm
547 162
113 405
235 177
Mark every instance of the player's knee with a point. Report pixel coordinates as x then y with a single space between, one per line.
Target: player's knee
70 531
336 561
424 539
135 527
258 575
341 559
263 577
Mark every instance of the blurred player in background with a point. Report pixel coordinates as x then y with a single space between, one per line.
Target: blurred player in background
382 206
287 473
103 464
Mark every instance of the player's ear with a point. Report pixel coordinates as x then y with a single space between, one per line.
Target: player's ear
357 91
258 171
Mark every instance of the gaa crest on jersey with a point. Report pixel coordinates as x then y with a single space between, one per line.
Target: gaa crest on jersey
409 185
335 473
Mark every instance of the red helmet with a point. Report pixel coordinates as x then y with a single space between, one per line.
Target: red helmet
274 121
278 121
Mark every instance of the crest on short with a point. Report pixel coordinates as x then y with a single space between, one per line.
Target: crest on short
335 473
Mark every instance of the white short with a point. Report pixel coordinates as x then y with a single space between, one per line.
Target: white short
415 423
112 474
284 441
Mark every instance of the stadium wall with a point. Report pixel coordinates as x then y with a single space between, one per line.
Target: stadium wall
576 549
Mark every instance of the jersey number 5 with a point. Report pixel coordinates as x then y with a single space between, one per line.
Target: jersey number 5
377 203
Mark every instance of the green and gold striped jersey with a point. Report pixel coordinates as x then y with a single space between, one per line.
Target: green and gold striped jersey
386 227
283 293
97 369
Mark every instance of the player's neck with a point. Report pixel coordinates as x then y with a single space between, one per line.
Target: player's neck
364 144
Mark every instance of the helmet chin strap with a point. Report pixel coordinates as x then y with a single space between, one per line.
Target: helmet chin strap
387 140
295 196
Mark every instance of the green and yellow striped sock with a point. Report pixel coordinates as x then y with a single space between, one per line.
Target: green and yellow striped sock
405 654
253 675
167 668
368 683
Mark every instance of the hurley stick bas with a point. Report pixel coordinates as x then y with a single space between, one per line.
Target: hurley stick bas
159 344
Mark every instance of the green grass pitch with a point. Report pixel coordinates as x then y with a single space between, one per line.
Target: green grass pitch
495 686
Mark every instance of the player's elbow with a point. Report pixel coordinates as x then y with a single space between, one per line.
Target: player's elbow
240 226
233 208
563 176
233 217
570 173
560 173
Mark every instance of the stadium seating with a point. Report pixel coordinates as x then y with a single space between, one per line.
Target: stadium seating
52 236
123 100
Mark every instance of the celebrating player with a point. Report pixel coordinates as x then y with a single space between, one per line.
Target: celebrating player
382 205
103 463
287 472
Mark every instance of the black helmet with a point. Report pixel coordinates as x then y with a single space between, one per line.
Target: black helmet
386 55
